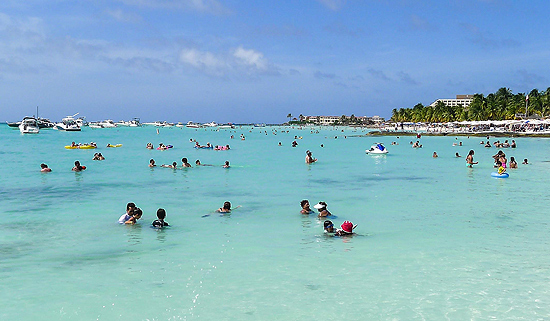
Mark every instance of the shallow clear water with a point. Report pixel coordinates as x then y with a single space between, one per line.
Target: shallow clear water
435 240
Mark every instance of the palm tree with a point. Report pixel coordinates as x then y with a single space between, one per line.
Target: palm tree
289 116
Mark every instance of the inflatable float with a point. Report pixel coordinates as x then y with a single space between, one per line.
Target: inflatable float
497 175
116 145
81 147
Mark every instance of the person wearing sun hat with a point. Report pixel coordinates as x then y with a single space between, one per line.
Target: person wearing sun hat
347 228
322 207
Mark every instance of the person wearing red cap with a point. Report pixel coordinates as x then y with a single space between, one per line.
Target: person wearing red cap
346 229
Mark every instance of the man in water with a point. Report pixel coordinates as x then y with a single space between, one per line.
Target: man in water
309 158
305 207
470 158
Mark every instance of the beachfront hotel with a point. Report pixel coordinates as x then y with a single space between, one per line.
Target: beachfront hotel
460 100
330 120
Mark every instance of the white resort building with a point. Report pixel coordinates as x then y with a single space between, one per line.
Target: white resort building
460 100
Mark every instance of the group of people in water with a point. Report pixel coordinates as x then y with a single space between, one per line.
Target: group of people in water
134 213
346 228
184 164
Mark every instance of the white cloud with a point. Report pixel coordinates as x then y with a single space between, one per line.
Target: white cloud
238 61
250 58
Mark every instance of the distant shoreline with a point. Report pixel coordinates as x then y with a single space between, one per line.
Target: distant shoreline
474 134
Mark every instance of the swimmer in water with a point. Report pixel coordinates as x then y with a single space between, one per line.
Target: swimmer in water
309 158
226 208
328 227
152 163
513 163
346 229
45 168
159 222
305 207
457 155
435 155
226 165
149 146
470 158
525 162
322 208
77 167
501 169
173 166
185 163
129 210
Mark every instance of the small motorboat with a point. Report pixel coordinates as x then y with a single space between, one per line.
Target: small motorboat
68 124
29 125
377 149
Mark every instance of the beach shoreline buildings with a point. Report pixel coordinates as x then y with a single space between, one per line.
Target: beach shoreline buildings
460 100
332 120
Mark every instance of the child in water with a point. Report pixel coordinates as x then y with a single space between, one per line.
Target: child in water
134 216
501 169
159 222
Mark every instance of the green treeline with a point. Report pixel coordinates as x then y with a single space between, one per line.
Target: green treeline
502 105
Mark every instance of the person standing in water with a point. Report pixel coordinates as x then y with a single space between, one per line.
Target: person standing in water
470 158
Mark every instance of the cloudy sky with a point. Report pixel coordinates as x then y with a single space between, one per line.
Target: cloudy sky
257 61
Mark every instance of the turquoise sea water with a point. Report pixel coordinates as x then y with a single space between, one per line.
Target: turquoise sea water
435 240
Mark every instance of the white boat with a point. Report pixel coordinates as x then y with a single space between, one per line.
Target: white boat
212 124
94 125
226 126
107 124
135 122
123 123
68 124
29 125
191 124
180 125
377 149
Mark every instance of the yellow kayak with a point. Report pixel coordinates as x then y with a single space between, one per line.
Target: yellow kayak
117 145
81 147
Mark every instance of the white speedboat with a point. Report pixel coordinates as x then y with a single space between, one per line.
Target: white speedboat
226 126
94 125
107 124
123 123
377 149
135 122
29 125
68 124
212 124
191 124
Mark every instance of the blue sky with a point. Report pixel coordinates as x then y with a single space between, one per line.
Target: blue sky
257 61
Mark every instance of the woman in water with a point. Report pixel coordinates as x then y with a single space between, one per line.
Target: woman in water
322 208
226 208
513 163
45 168
470 158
